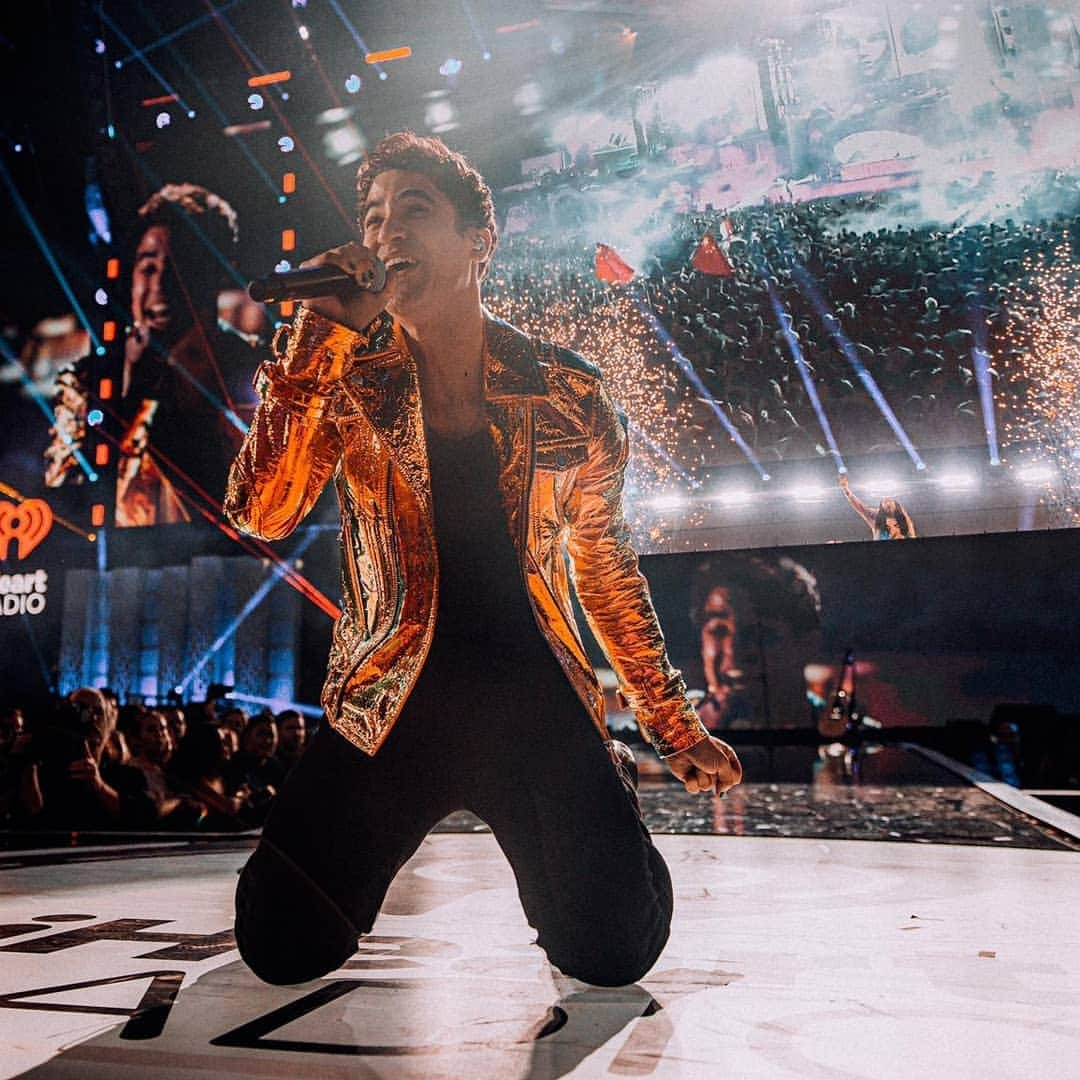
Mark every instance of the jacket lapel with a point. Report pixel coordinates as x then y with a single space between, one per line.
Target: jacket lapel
385 385
513 382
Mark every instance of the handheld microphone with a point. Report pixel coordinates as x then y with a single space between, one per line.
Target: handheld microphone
314 281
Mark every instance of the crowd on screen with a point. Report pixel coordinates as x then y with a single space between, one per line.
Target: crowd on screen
84 762
914 303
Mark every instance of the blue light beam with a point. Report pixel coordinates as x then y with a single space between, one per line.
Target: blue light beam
277 572
355 35
843 342
784 321
278 704
985 382
986 400
43 244
138 54
694 379
467 8
39 400
130 45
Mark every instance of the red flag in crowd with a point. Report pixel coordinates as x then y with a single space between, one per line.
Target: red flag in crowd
610 266
709 259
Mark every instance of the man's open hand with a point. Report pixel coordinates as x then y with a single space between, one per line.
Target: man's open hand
711 765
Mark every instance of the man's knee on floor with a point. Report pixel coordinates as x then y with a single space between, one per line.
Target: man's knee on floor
287 929
606 970
605 959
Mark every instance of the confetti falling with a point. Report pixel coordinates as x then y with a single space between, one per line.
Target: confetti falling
1042 396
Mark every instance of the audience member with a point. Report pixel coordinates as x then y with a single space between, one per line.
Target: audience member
292 737
177 721
255 768
74 784
200 770
16 775
153 746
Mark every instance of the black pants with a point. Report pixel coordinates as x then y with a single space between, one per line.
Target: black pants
519 751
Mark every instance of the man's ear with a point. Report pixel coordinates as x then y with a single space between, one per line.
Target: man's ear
482 244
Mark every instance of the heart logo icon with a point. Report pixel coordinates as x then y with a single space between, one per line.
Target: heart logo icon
27 523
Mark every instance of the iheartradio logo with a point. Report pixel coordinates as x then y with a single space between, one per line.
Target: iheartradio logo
26 523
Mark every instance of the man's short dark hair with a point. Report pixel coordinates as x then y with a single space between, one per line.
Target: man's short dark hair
448 170
203 228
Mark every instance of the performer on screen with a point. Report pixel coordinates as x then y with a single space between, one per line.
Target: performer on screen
467 457
890 521
183 371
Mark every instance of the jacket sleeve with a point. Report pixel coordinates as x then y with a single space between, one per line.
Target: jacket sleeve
615 595
292 447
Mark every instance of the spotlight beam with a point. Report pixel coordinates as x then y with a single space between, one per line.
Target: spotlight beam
353 33
810 290
694 379
980 357
278 704
129 44
43 245
39 401
783 319
467 8
276 574
986 401
640 433
178 32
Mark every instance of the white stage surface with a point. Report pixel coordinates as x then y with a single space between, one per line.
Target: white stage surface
789 957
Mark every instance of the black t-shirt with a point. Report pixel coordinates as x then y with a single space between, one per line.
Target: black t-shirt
484 614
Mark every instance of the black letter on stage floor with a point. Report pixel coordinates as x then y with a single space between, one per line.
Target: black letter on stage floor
145 1021
184 947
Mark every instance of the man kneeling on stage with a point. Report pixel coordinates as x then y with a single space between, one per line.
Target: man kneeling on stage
465 456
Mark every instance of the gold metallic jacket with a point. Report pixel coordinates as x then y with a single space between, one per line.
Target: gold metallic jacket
345 404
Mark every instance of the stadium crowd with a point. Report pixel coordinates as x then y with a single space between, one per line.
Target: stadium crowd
86 763
912 304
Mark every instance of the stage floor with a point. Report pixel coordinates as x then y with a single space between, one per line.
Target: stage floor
951 950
